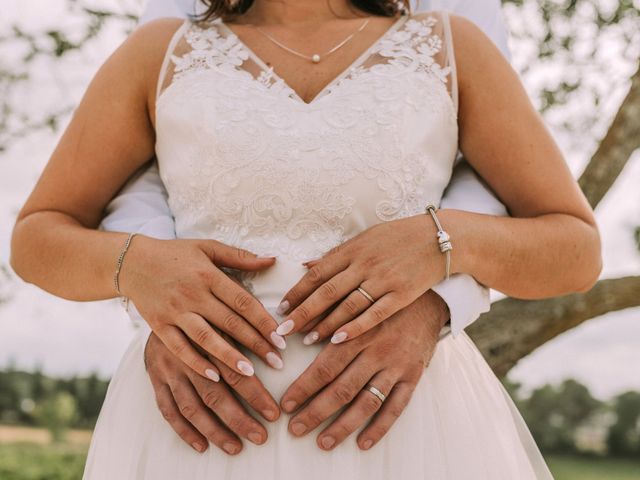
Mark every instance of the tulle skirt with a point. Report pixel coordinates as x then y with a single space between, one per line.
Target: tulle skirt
460 425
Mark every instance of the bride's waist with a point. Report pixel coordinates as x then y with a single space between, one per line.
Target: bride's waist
270 285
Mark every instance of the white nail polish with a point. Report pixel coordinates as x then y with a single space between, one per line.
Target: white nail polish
265 256
285 327
245 368
311 337
278 341
275 361
212 374
339 337
283 307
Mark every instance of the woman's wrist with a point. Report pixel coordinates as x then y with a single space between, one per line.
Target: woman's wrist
452 222
132 263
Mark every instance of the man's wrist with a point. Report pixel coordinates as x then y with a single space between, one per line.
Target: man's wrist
442 314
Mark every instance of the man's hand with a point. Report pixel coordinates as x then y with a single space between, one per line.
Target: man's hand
392 357
203 411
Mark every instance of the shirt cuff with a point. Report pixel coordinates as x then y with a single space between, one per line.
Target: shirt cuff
466 299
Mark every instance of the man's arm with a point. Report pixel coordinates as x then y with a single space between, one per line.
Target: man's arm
465 297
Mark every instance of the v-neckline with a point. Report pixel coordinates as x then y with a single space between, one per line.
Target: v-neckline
318 96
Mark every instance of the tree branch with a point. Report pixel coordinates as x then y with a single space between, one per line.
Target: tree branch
622 139
514 328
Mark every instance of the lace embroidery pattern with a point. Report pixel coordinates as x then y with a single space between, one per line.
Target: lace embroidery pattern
282 177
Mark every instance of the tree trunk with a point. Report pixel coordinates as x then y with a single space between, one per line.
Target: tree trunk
514 328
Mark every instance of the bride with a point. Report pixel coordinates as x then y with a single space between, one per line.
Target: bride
305 147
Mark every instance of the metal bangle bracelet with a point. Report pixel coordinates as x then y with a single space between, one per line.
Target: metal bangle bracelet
444 241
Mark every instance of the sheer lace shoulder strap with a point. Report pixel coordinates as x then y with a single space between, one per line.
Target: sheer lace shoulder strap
450 59
177 46
429 36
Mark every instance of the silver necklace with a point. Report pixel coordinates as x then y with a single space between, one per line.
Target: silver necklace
315 58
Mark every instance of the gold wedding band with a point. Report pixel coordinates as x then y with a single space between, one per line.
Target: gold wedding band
364 292
376 392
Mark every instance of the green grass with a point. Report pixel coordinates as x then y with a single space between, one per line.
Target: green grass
587 468
30 461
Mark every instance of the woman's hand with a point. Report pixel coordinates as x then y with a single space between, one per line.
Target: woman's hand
179 290
394 262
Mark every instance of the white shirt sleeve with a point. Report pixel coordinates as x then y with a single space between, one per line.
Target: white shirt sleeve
465 297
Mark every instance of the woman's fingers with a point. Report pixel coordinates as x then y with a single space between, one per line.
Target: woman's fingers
192 409
316 294
248 307
345 311
225 405
363 407
322 271
179 345
233 257
230 322
204 335
378 312
171 413
391 409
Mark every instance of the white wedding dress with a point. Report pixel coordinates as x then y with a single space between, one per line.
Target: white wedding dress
249 163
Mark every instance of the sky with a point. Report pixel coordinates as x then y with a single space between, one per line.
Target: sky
67 338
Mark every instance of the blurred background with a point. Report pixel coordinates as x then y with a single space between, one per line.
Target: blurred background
572 364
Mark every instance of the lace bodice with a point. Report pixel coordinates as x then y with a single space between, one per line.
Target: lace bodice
247 162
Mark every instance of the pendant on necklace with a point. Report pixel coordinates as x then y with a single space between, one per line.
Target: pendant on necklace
315 58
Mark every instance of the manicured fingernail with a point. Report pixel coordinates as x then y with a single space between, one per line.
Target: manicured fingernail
212 374
367 444
265 256
298 428
198 447
230 448
283 307
278 341
274 360
328 442
289 405
269 414
311 337
245 368
255 437
339 337
285 327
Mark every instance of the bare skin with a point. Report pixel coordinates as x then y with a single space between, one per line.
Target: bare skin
394 360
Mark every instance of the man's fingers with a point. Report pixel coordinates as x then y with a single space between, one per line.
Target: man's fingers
391 409
335 396
225 405
329 363
179 345
363 407
196 413
172 415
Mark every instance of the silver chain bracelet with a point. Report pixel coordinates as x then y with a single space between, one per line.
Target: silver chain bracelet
116 276
444 241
